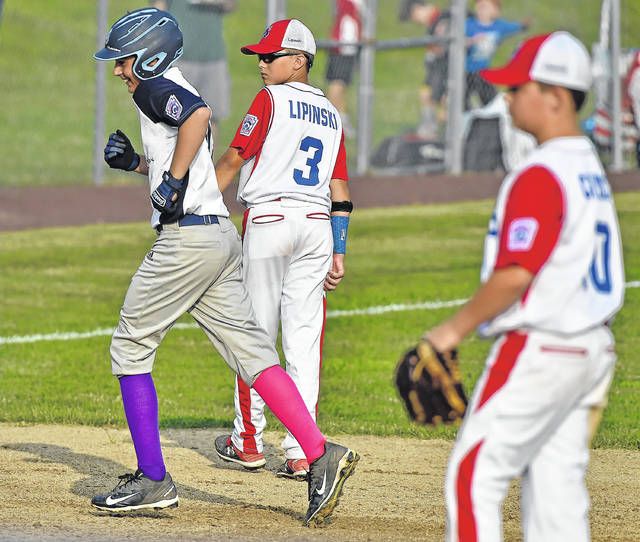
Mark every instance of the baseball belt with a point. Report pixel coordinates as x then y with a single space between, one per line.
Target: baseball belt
194 220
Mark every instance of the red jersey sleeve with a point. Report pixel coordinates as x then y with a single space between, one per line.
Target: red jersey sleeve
253 130
533 218
340 167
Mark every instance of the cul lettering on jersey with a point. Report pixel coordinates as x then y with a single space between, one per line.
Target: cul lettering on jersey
312 113
493 225
594 186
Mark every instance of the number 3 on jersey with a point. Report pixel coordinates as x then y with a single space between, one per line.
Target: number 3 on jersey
313 147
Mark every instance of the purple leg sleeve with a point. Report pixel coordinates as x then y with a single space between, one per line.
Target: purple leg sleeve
141 409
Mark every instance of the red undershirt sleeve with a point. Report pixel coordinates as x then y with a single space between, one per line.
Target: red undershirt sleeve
533 219
254 128
340 167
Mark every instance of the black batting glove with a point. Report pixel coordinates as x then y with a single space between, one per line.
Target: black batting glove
119 153
165 197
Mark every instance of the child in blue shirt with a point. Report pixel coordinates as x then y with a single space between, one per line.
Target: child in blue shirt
485 31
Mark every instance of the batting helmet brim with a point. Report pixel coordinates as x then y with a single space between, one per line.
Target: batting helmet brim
109 54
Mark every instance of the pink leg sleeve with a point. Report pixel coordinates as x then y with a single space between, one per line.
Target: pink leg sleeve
281 395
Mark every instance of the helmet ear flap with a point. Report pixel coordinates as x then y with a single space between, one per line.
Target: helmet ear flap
147 68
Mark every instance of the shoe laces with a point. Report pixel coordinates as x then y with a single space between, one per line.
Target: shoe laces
228 447
128 478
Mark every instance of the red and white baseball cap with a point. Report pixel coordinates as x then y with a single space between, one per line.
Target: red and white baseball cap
556 59
285 34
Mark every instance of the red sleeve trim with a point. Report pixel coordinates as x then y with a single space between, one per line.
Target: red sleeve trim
533 220
255 126
340 167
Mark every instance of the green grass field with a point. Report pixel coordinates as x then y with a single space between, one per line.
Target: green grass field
47 88
74 280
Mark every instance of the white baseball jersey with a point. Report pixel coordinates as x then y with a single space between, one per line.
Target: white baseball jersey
555 217
291 137
164 103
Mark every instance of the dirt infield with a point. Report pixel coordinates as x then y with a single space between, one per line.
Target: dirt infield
41 207
49 473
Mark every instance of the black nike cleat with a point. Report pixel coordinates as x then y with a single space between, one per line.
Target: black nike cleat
137 492
327 475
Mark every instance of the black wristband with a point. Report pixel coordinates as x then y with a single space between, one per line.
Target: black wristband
345 206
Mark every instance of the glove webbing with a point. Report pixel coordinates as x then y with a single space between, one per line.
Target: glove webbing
421 415
427 362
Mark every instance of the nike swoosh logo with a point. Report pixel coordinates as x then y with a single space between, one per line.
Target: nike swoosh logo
320 491
109 501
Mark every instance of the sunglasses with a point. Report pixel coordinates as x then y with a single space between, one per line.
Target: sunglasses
270 57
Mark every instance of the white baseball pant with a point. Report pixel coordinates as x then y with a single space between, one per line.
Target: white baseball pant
529 417
287 252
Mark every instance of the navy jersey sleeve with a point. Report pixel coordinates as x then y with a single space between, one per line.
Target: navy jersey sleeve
163 100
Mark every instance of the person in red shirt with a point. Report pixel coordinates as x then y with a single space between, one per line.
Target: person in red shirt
347 28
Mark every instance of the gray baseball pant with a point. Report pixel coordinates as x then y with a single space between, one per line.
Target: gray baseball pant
195 269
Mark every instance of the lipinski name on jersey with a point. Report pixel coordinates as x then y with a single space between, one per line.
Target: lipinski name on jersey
312 113
594 186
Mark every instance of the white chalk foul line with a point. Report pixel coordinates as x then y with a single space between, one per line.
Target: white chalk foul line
382 309
105 332
368 311
71 335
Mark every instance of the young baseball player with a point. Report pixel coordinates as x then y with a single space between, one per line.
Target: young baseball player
553 279
290 147
193 266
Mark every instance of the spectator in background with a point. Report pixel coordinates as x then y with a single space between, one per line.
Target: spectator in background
485 31
347 27
631 97
433 91
204 61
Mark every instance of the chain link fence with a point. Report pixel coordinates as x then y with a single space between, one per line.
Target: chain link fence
409 115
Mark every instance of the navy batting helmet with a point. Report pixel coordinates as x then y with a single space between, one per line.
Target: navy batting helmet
149 34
